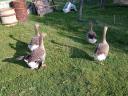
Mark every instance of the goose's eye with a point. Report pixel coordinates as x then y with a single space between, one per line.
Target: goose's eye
36 61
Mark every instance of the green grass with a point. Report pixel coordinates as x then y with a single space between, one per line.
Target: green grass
71 70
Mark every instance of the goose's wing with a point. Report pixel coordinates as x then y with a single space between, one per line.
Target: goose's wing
102 48
97 48
35 40
36 55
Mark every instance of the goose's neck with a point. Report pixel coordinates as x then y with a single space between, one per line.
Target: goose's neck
41 42
42 45
91 27
104 34
36 29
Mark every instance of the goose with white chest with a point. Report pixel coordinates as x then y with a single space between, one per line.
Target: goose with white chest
102 49
37 57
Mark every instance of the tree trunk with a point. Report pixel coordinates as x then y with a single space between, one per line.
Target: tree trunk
102 3
53 4
81 9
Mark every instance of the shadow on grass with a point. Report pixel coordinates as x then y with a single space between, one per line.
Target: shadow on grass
75 38
75 52
21 50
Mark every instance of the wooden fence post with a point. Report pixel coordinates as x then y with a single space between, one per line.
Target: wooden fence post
81 10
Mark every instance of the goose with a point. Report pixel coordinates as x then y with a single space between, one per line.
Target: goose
102 49
35 40
91 35
37 57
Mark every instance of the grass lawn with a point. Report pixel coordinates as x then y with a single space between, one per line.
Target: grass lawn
71 71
